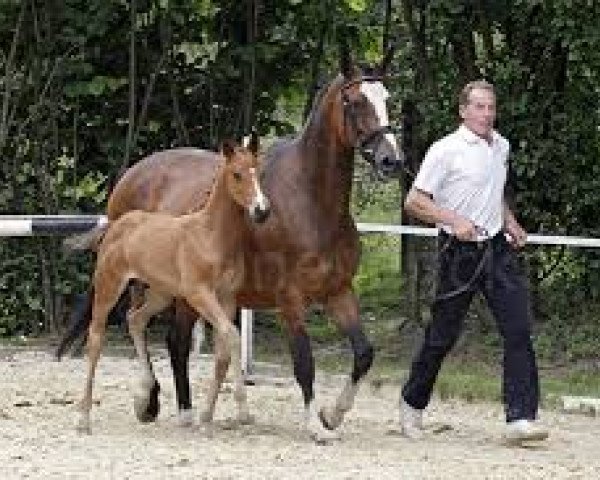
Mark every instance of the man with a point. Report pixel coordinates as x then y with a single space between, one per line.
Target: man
460 188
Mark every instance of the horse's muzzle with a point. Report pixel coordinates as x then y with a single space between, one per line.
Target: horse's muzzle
390 166
259 215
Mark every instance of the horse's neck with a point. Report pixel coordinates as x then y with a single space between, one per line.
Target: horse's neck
327 161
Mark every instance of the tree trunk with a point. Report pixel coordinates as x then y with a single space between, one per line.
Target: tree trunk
132 86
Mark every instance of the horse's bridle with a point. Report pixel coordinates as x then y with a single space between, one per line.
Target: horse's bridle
366 143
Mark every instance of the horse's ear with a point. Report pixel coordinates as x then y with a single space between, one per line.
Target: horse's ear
345 58
253 142
228 148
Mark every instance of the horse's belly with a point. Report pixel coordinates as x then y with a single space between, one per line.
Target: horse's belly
316 276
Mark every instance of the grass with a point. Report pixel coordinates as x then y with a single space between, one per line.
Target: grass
468 380
471 373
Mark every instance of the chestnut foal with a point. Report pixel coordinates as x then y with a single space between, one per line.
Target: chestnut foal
196 257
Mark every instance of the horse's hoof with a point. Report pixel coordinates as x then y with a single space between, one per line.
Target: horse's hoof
330 418
185 418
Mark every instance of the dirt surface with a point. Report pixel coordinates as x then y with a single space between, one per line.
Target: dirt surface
38 440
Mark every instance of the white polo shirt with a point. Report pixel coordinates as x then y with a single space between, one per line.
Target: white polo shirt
466 174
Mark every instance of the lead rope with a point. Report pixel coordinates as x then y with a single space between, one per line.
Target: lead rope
469 284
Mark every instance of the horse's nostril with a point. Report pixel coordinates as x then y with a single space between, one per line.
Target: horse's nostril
260 214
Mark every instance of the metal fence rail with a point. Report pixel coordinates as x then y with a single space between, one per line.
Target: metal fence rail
29 225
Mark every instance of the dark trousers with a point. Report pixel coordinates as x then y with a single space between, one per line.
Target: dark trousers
503 284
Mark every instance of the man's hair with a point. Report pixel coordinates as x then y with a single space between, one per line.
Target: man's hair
463 96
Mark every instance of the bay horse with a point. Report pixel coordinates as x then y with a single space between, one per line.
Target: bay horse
307 252
196 257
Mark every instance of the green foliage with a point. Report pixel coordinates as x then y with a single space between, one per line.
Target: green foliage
68 123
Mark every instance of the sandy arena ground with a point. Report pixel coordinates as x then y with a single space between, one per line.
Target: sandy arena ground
37 438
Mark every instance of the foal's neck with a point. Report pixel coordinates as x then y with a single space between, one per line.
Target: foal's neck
221 212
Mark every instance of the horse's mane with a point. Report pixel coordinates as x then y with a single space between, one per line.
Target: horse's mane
318 98
337 81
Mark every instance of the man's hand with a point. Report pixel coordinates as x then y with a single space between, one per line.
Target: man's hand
463 229
517 236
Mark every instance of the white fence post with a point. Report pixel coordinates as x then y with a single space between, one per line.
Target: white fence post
247 321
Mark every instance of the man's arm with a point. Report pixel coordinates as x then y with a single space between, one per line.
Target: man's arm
518 236
421 206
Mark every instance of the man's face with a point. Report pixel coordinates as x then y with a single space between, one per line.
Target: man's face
480 113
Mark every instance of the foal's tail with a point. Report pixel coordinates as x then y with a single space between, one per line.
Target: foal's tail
81 317
87 240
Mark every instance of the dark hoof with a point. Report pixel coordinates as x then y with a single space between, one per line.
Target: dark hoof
150 412
324 421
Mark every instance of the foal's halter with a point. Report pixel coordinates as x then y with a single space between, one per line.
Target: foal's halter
366 142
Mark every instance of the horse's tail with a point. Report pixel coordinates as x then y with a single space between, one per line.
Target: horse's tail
81 317
87 240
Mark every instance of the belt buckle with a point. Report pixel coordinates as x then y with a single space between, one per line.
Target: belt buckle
482 236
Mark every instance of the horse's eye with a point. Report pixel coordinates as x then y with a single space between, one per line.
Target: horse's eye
237 176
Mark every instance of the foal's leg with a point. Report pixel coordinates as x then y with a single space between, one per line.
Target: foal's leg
137 297
108 288
235 346
145 399
345 312
292 311
206 304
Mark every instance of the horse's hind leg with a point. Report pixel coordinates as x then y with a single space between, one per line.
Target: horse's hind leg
108 289
145 402
293 310
345 312
179 343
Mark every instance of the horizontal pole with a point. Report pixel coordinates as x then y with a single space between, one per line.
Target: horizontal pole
26 225
584 242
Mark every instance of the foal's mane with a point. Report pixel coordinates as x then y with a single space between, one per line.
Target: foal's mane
219 174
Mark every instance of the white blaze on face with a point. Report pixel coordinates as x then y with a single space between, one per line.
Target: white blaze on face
260 200
377 95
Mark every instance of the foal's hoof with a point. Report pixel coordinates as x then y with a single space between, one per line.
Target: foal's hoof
331 418
324 437
146 407
321 435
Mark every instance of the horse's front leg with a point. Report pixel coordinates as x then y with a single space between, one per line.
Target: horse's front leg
179 343
145 400
293 312
345 312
